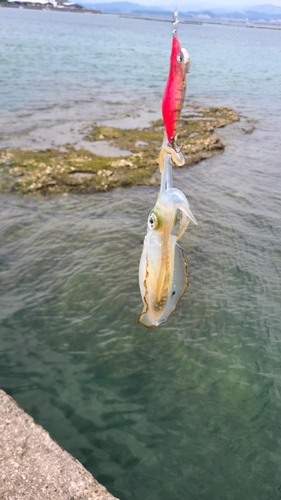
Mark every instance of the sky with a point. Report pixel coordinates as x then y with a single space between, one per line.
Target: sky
205 4
240 3
230 4
202 4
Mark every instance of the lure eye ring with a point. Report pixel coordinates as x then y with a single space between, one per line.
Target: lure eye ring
152 221
180 57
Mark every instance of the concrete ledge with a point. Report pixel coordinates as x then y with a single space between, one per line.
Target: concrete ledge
34 467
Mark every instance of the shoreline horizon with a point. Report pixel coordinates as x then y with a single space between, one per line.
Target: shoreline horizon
231 23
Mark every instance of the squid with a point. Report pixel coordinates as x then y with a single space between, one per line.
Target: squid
163 276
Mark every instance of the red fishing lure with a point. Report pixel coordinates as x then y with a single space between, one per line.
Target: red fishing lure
174 93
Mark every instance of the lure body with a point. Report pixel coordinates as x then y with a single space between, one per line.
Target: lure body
174 92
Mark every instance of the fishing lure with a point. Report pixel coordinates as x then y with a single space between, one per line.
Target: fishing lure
174 92
163 276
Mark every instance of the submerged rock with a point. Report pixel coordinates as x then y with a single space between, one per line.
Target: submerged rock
54 171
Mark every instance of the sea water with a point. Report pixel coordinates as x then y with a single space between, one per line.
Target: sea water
191 409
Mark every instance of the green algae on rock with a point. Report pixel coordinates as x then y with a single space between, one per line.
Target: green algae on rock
53 171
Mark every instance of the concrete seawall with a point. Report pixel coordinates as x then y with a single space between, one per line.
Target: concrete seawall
34 467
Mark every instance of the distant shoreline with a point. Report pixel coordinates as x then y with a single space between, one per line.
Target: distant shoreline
43 7
144 17
151 18
195 22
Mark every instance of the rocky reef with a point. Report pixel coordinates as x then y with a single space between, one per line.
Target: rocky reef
54 171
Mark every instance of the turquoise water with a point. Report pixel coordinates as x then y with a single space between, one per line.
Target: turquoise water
191 409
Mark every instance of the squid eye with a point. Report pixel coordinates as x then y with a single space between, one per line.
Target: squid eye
180 57
152 221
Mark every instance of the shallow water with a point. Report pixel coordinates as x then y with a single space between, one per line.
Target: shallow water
191 409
